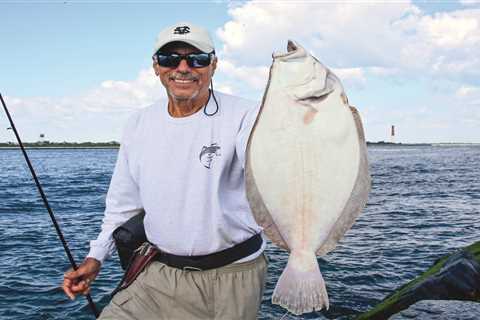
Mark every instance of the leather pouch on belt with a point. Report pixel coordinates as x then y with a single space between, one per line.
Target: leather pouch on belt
129 237
140 259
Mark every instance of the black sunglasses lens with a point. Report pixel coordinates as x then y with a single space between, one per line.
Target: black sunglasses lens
194 60
168 61
198 60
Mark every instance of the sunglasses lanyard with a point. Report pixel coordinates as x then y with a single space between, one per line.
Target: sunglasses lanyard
211 94
213 122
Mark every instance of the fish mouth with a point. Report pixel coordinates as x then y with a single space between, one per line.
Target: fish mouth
294 50
291 46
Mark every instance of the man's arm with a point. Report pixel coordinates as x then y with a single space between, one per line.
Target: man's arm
122 203
244 133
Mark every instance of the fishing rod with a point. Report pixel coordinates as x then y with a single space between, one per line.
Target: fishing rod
47 205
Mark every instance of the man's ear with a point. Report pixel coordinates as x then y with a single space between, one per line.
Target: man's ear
155 66
214 65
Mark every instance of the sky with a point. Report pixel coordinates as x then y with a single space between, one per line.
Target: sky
75 71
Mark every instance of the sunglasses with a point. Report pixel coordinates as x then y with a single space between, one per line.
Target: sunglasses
194 60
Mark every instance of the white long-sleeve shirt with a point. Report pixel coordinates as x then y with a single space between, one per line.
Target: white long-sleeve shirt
188 175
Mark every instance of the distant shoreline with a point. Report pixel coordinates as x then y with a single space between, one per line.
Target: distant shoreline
116 145
62 145
391 144
436 144
30 148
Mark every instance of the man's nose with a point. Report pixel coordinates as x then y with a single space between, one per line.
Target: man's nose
183 66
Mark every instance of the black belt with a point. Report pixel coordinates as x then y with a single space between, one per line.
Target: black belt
213 260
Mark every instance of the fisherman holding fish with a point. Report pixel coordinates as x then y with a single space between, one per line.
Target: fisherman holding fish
182 162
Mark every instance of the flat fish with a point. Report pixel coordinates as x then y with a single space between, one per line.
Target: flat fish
307 175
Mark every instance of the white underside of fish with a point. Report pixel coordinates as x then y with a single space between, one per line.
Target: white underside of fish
307 172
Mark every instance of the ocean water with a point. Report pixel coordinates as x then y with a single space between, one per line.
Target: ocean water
424 203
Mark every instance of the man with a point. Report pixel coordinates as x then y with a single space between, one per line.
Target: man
182 162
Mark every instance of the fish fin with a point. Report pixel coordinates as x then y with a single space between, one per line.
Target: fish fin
301 287
358 124
259 209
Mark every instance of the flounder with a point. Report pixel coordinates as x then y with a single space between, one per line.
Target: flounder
307 174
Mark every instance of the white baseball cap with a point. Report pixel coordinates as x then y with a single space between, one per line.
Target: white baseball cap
188 33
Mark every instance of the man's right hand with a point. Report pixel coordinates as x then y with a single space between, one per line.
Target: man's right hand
78 281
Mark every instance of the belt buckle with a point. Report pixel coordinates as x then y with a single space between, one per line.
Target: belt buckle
189 268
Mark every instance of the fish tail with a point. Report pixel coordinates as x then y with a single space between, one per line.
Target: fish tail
301 288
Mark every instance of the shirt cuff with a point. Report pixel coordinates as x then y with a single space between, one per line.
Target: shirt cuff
100 253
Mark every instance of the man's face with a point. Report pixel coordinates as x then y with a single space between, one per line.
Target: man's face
185 82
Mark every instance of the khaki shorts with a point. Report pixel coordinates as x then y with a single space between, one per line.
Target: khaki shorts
161 292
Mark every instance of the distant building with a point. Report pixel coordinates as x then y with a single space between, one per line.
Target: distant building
41 139
392 134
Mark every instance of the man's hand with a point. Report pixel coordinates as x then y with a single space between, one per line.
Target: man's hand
75 282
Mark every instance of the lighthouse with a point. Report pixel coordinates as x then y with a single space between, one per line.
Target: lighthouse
392 134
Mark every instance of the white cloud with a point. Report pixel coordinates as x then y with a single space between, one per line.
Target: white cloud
446 42
469 2
333 30
469 97
370 46
397 36
100 113
382 72
224 88
383 53
96 115
467 91
351 77
255 76
115 96
450 30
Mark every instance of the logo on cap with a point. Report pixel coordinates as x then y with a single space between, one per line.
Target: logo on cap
181 30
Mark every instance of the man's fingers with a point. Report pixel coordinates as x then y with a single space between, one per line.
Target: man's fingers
68 292
72 287
79 281
67 282
86 291
80 286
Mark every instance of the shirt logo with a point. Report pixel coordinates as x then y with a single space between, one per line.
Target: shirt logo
181 30
207 154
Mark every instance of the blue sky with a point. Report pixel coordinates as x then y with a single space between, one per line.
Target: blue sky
59 49
75 71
